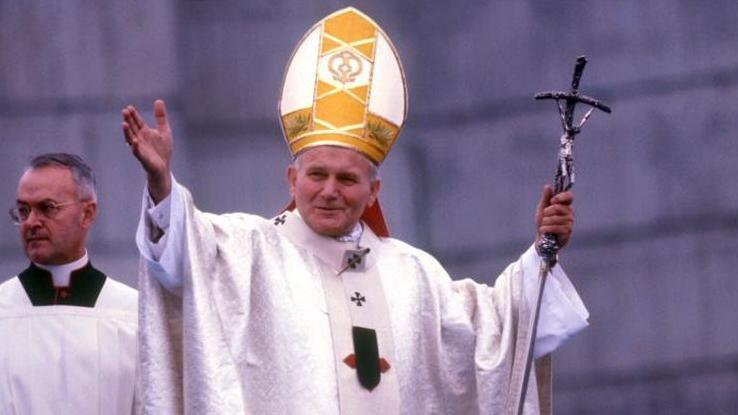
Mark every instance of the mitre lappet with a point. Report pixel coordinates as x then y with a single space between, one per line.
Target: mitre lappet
344 86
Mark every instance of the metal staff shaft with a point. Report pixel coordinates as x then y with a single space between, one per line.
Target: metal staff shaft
548 247
533 324
564 179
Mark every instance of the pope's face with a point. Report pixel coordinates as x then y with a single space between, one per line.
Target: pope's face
332 186
53 236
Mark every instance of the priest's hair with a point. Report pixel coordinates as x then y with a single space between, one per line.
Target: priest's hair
81 172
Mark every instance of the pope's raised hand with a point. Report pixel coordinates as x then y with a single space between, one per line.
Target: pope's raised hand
152 147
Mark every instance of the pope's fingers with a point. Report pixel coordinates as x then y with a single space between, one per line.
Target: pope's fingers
160 112
136 120
566 217
545 199
563 198
558 210
127 133
130 120
133 143
556 221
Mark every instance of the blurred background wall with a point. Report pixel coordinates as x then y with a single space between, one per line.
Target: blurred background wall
654 254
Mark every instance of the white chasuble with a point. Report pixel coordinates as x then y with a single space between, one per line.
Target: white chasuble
244 326
67 359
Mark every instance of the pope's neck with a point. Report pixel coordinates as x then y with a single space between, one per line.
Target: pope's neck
61 273
352 236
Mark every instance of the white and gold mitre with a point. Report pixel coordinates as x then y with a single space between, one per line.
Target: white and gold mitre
344 86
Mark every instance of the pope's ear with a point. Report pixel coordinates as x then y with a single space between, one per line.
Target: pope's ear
291 178
376 185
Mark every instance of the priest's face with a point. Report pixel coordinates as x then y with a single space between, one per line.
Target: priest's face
57 222
332 186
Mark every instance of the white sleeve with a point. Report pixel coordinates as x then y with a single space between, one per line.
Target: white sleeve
158 217
562 312
160 229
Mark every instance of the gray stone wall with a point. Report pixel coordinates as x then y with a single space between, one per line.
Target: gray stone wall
653 255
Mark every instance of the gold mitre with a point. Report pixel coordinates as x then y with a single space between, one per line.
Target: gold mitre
344 86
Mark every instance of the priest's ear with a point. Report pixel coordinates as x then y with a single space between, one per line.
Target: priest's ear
89 213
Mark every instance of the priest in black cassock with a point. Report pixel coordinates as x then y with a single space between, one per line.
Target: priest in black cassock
69 331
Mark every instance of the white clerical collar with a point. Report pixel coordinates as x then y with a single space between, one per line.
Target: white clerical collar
352 236
60 273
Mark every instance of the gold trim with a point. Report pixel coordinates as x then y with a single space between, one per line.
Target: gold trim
343 44
309 140
369 90
347 91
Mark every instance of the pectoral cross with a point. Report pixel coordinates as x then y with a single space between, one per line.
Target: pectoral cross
353 258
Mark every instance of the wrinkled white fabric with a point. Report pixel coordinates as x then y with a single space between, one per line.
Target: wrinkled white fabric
66 359
248 331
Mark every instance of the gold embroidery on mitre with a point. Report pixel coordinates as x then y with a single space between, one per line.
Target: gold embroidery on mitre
340 109
340 139
375 140
349 27
383 132
296 123
366 49
363 47
329 45
360 93
345 66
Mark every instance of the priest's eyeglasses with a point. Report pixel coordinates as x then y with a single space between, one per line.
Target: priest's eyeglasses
47 208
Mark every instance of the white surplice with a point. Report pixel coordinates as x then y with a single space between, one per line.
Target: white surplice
62 359
243 324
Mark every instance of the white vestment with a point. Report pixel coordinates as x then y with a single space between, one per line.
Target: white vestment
248 329
64 359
